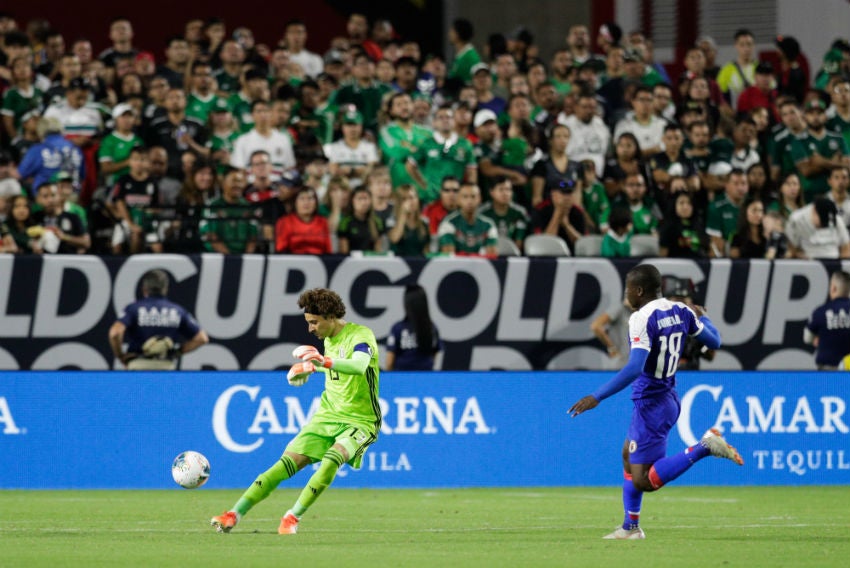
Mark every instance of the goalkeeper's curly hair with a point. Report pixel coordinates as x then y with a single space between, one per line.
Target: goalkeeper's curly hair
322 302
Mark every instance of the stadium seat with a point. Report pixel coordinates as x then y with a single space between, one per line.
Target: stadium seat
507 247
589 245
644 245
546 245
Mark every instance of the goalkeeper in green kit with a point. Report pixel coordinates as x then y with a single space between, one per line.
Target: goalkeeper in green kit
348 418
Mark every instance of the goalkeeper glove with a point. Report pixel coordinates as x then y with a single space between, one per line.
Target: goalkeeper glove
158 347
310 353
299 373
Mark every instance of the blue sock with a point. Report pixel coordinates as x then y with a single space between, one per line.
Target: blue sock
667 469
632 498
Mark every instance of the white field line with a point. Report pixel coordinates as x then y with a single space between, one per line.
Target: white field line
432 530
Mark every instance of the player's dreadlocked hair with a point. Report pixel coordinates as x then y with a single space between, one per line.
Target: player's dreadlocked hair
647 277
322 302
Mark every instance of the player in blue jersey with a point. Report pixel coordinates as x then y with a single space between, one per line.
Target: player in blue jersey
156 330
657 333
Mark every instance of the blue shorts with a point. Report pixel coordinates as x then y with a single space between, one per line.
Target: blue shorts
652 420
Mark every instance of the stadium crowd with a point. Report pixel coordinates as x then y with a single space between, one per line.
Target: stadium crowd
234 146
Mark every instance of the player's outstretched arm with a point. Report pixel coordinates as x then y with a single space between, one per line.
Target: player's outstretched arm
623 378
709 336
357 365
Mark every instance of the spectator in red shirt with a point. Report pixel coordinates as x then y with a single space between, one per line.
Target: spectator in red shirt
303 231
760 94
358 34
437 210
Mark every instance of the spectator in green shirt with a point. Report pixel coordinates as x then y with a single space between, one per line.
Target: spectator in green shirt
511 220
223 134
465 231
364 91
400 138
21 97
114 152
202 98
723 213
791 126
230 228
818 152
444 153
255 87
840 95
563 70
617 242
645 214
466 56
227 77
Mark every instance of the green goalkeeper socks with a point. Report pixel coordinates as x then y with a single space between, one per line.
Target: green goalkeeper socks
320 481
265 483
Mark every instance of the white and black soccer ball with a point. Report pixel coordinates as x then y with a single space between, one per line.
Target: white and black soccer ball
190 470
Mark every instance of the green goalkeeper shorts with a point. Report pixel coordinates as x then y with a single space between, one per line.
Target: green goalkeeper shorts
316 438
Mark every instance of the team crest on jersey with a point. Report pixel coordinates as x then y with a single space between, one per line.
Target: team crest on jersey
632 446
635 339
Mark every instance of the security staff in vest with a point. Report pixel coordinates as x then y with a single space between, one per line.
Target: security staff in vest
155 330
828 328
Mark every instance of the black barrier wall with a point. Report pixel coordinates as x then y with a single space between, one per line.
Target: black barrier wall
516 313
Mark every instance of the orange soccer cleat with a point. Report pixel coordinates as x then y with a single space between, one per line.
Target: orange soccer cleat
224 522
288 524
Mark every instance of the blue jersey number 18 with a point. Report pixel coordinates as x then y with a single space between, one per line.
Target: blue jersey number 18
669 353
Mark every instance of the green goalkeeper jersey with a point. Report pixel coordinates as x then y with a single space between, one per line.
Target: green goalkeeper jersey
352 398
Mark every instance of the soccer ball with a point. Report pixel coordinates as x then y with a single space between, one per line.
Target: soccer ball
190 470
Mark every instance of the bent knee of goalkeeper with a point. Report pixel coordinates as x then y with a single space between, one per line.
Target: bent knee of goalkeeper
331 462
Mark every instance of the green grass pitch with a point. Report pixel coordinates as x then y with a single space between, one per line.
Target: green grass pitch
685 526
